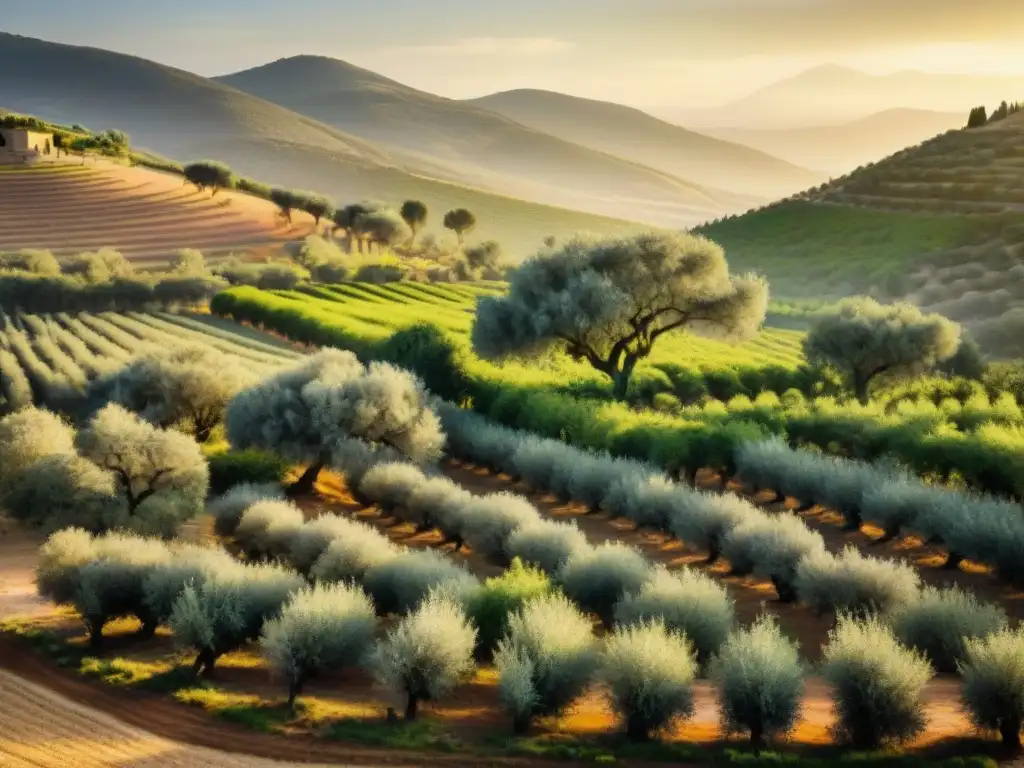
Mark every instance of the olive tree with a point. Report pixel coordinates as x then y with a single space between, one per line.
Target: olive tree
414 212
320 628
382 226
608 302
460 221
188 261
27 436
863 340
189 386
485 255
149 464
305 413
317 206
207 174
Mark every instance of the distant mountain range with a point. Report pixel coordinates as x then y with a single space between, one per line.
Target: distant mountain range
837 149
636 135
836 94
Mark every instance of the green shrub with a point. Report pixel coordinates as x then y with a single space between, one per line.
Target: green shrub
232 468
490 606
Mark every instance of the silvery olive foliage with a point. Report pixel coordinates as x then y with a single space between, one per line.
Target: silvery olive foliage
320 628
158 473
863 340
851 583
596 579
546 660
348 557
66 490
399 584
307 413
190 564
759 680
649 671
227 509
941 622
489 521
15 389
772 546
187 387
877 683
608 302
268 528
427 653
993 683
229 609
686 601
27 436
547 544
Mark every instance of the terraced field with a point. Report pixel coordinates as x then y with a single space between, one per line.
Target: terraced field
372 313
146 215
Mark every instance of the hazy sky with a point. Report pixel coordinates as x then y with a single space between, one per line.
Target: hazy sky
657 54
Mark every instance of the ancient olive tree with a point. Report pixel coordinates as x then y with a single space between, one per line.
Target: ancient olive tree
608 302
187 387
159 474
864 340
207 174
414 212
308 412
460 221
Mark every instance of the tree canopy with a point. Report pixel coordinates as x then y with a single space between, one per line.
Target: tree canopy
208 174
306 413
459 221
414 212
608 301
863 340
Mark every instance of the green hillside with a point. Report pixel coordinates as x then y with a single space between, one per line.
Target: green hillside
187 117
940 224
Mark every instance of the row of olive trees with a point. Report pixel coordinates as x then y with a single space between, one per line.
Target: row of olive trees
363 223
607 302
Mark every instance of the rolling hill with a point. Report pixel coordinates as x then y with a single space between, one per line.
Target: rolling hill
488 149
839 148
636 135
940 224
836 94
184 116
69 208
